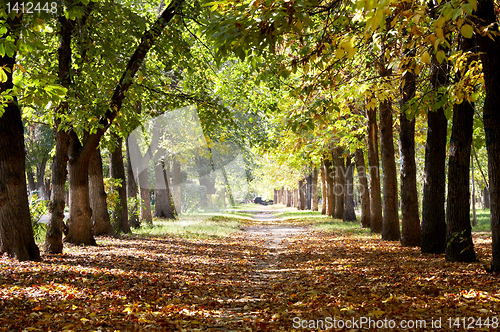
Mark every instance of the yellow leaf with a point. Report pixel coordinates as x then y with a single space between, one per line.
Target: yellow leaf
425 57
440 56
3 76
467 31
21 68
377 313
141 78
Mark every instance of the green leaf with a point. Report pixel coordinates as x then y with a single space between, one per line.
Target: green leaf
10 48
467 31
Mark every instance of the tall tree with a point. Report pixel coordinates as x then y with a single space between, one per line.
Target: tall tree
374 172
132 193
390 223
302 194
100 214
163 197
459 246
329 199
314 190
323 187
16 234
80 231
349 213
117 172
410 232
53 238
489 46
339 184
363 188
433 236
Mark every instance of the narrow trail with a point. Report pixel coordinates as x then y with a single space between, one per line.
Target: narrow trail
268 273
267 270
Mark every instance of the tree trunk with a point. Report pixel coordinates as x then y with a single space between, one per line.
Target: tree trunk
363 188
145 213
349 214
410 235
16 232
302 195
339 186
490 57
132 192
374 173
459 246
100 215
163 203
330 197
80 230
315 189
390 223
40 174
117 172
486 198
474 218
31 180
54 236
309 192
323 187
433 235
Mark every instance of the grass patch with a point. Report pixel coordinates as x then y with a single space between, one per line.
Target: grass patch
345 228
300 214
483 220
192 227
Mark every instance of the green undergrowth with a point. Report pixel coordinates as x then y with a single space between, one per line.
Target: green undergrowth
192 227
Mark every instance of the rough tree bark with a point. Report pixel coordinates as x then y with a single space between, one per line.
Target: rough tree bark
433 225
309 191
363 188
80 228
117 172
489 46
349 214
16 233
323 187
410 233
302 195
31 180
54 236
40 181
374 173
163 202
339 185
330 198
100 215
459 246
390 220
315 189
132 193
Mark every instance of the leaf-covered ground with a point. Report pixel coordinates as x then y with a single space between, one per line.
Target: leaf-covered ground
266 278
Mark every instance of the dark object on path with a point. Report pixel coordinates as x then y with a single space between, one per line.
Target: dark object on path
259 200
